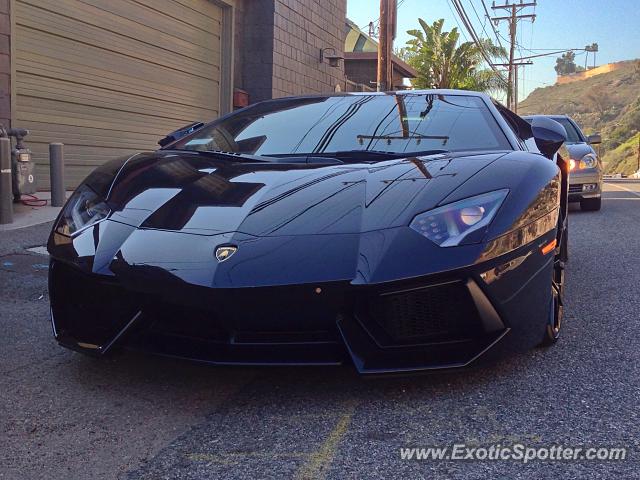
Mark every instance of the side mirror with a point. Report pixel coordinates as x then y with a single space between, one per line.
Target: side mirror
548 134
181 132
594 139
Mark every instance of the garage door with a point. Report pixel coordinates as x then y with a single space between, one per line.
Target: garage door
111 77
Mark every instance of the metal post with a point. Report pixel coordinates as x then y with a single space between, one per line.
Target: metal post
56 166
6 189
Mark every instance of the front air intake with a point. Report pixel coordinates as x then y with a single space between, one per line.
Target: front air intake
444 312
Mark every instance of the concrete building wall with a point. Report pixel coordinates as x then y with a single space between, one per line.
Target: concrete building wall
279 48
254 48
302 29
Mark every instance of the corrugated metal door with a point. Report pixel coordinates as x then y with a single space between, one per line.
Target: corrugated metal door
110 77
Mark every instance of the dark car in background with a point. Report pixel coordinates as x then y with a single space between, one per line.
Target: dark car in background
586 177
402 231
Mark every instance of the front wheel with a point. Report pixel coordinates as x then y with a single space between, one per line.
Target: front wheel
554 324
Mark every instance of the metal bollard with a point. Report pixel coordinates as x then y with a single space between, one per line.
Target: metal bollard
6 189
56 172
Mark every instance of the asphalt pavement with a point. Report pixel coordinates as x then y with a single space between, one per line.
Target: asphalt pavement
65 416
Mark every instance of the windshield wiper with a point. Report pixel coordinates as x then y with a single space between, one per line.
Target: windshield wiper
230 155
365 155
351 156
388 138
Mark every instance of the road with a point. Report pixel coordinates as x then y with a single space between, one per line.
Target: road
64 416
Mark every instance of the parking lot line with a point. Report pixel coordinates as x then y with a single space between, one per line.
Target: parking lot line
319 461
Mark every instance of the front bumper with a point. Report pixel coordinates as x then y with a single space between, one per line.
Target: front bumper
580 185
438 321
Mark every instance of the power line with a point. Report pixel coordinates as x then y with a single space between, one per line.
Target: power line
536 50
512 19
474 35
455 17
493 27
377 20
529 57
480 20
531 36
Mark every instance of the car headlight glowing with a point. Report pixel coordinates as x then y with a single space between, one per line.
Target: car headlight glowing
588 161
461 222
84 208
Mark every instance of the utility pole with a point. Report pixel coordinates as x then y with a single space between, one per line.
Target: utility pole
513 22
515 64
515 88
591 48
515 8
385 68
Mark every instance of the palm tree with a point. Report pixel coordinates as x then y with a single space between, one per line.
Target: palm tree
442 63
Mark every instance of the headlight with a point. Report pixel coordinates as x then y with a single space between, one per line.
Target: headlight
588 161
460 222
83 209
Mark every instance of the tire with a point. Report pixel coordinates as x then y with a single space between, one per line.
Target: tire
591 204
556 307
554 324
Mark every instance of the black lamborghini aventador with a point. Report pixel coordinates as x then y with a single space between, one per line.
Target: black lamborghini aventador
400 231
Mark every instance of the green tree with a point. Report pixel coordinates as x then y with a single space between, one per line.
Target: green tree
443 63
566 64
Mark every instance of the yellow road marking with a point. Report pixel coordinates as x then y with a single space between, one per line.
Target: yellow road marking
319 461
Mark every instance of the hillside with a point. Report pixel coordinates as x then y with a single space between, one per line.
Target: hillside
624 158
607 103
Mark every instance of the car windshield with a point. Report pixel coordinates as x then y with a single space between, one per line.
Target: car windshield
572 133
403 123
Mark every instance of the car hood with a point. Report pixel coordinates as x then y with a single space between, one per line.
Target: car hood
579 150
197 193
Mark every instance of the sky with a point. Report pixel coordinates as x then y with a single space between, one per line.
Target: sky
560 24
